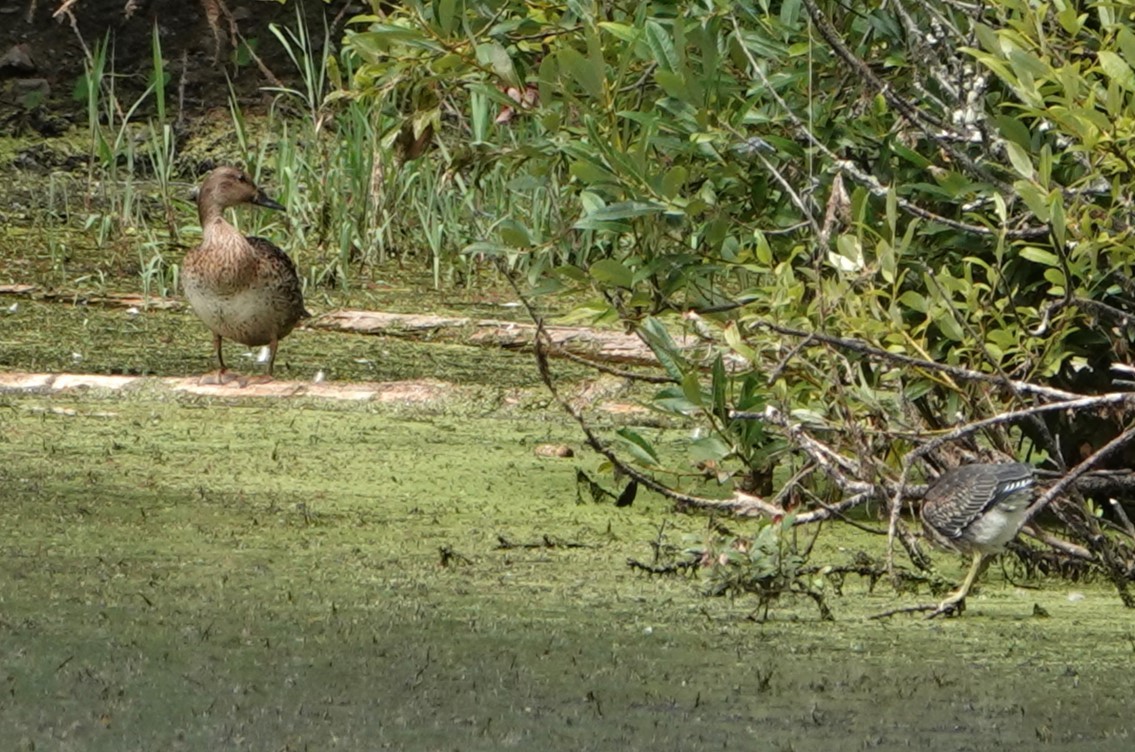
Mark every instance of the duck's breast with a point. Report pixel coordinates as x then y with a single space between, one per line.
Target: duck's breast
250 295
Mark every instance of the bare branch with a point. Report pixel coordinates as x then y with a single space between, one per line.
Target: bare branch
1050 540
1064 483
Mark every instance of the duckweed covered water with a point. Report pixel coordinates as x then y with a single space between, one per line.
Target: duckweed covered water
180 574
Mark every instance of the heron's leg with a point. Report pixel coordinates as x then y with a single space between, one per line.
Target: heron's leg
955 601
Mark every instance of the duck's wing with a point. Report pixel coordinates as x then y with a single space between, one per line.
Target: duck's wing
272 254
273 264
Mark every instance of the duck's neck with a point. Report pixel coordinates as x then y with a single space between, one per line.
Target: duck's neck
208 209
214 227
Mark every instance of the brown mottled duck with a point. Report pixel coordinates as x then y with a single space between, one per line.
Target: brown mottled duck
976 509
243 288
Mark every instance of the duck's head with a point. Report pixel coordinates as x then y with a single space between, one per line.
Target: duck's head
231 186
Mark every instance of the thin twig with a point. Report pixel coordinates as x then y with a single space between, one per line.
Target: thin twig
924 120
1105 309
904 610
868 179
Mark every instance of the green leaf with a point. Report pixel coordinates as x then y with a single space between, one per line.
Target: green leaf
496 57
1020 160
691 388
662 345
918 388
622 32
1034 197
673 181
612 272
1116 69
719 383
789 13
571 272
738 345
548 80
674 84
514 233
1057 221
662 47
914 301
574 67
589 172
446 15
1055 277
1014 130
670 399
1125 40
950 327
710 447
1040 256
988 38
641 449
625 210
1027 65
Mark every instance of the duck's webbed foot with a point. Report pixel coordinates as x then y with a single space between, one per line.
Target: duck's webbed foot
221 377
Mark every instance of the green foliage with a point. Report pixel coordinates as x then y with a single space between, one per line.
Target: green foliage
939 182
943 182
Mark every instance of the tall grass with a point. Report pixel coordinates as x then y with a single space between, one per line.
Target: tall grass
329 153
355 201
130 171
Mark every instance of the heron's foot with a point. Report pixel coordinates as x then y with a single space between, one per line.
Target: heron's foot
952 606
219 378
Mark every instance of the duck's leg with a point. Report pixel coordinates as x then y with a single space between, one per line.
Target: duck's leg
955 601
264 378
272 355
221 375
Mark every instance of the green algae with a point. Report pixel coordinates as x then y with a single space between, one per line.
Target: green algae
187 574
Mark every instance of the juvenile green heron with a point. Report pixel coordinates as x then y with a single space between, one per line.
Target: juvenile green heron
243 288
976 509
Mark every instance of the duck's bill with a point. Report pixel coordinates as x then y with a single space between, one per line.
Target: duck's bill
263 200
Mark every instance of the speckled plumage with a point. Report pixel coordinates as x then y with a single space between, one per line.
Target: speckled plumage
243 288
977 509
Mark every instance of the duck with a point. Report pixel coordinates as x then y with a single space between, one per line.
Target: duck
243 288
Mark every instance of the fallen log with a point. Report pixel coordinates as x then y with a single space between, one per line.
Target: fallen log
609 346
601 345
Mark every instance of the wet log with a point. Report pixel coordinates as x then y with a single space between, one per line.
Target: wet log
608 346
